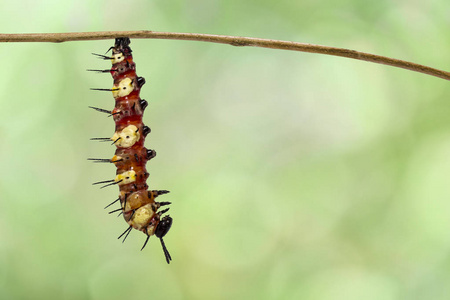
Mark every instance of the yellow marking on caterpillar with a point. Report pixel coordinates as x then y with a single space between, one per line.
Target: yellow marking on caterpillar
116 158
142 217
150 230
127 137
124 88
117 58
126 177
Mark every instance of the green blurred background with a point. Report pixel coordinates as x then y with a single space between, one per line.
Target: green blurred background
292 175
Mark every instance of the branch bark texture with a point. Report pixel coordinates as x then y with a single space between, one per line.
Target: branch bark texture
224 39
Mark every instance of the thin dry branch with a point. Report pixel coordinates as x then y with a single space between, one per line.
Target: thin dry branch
224 39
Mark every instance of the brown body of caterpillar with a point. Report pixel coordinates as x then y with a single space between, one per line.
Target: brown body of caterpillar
140 210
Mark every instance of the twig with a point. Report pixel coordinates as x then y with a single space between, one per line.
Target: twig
224 39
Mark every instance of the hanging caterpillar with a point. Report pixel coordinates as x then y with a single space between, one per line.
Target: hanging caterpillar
138 205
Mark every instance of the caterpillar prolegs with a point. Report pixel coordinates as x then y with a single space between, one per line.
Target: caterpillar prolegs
138 205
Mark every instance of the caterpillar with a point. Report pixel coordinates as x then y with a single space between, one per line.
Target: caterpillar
137 203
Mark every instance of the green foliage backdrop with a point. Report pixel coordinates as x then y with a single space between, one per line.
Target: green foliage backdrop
292 175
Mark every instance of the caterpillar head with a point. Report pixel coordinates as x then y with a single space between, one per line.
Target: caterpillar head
163 227
161 230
